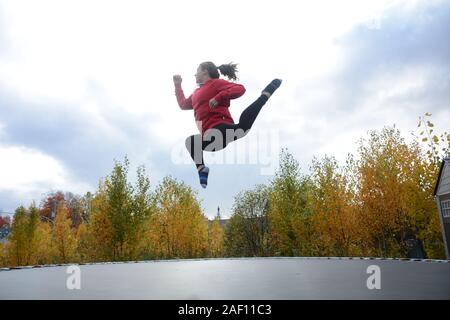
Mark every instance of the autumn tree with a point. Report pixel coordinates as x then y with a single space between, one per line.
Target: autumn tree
142 208
117 216
44 251
4 259
289 215
4 221
177 228
396 193
49 205
63 236
437 145
248 232
334 209
97 243
128 208
31 234
23 236
18 238
118 193
81 235
216 238
76 207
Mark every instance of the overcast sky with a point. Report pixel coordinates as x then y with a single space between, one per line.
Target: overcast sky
85 82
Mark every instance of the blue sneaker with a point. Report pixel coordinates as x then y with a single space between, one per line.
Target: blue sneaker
203 175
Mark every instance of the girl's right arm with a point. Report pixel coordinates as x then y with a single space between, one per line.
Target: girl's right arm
185 104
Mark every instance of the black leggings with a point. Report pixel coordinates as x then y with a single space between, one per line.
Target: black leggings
221 135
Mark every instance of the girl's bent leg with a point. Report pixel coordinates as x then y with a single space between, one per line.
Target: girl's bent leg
194 146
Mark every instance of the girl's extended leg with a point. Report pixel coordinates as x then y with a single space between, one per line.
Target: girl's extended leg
232 132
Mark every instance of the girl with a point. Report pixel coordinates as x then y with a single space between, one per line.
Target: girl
210 103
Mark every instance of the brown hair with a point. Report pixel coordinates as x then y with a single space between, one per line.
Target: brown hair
229 70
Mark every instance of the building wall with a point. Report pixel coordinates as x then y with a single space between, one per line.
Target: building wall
444 180
445 220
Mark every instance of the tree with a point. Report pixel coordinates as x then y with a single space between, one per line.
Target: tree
18 238
4 259
335 215
49 205
31 234
178 227
119 198
75 204
437 146
82 241
30 240
216 238
44 251
4 221
128 208
23 236
248 232
395 191
63 237
75 207
97 244
425 176
289 217
142 209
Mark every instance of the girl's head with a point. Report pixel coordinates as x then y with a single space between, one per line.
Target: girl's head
208 70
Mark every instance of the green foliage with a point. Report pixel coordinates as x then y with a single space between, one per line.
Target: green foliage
22 239
289 216
247 233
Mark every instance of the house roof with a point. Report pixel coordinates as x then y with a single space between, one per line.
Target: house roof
446 159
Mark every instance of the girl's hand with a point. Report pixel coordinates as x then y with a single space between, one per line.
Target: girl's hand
213 103
177 79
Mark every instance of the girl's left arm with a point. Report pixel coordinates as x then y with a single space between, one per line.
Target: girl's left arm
228 90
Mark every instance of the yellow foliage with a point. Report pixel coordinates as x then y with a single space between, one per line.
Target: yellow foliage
64 238
4 260
216 239
178 227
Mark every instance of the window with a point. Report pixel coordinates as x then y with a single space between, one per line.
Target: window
445 208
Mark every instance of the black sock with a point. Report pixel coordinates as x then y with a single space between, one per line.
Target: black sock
271 87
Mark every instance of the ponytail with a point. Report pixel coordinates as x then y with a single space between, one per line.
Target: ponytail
229 70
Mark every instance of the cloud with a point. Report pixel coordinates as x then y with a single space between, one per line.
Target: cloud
82 136
28 173
409 45
388 72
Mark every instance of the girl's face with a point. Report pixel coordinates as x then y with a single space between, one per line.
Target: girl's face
200 75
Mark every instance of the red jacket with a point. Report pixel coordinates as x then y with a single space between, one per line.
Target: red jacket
219 89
